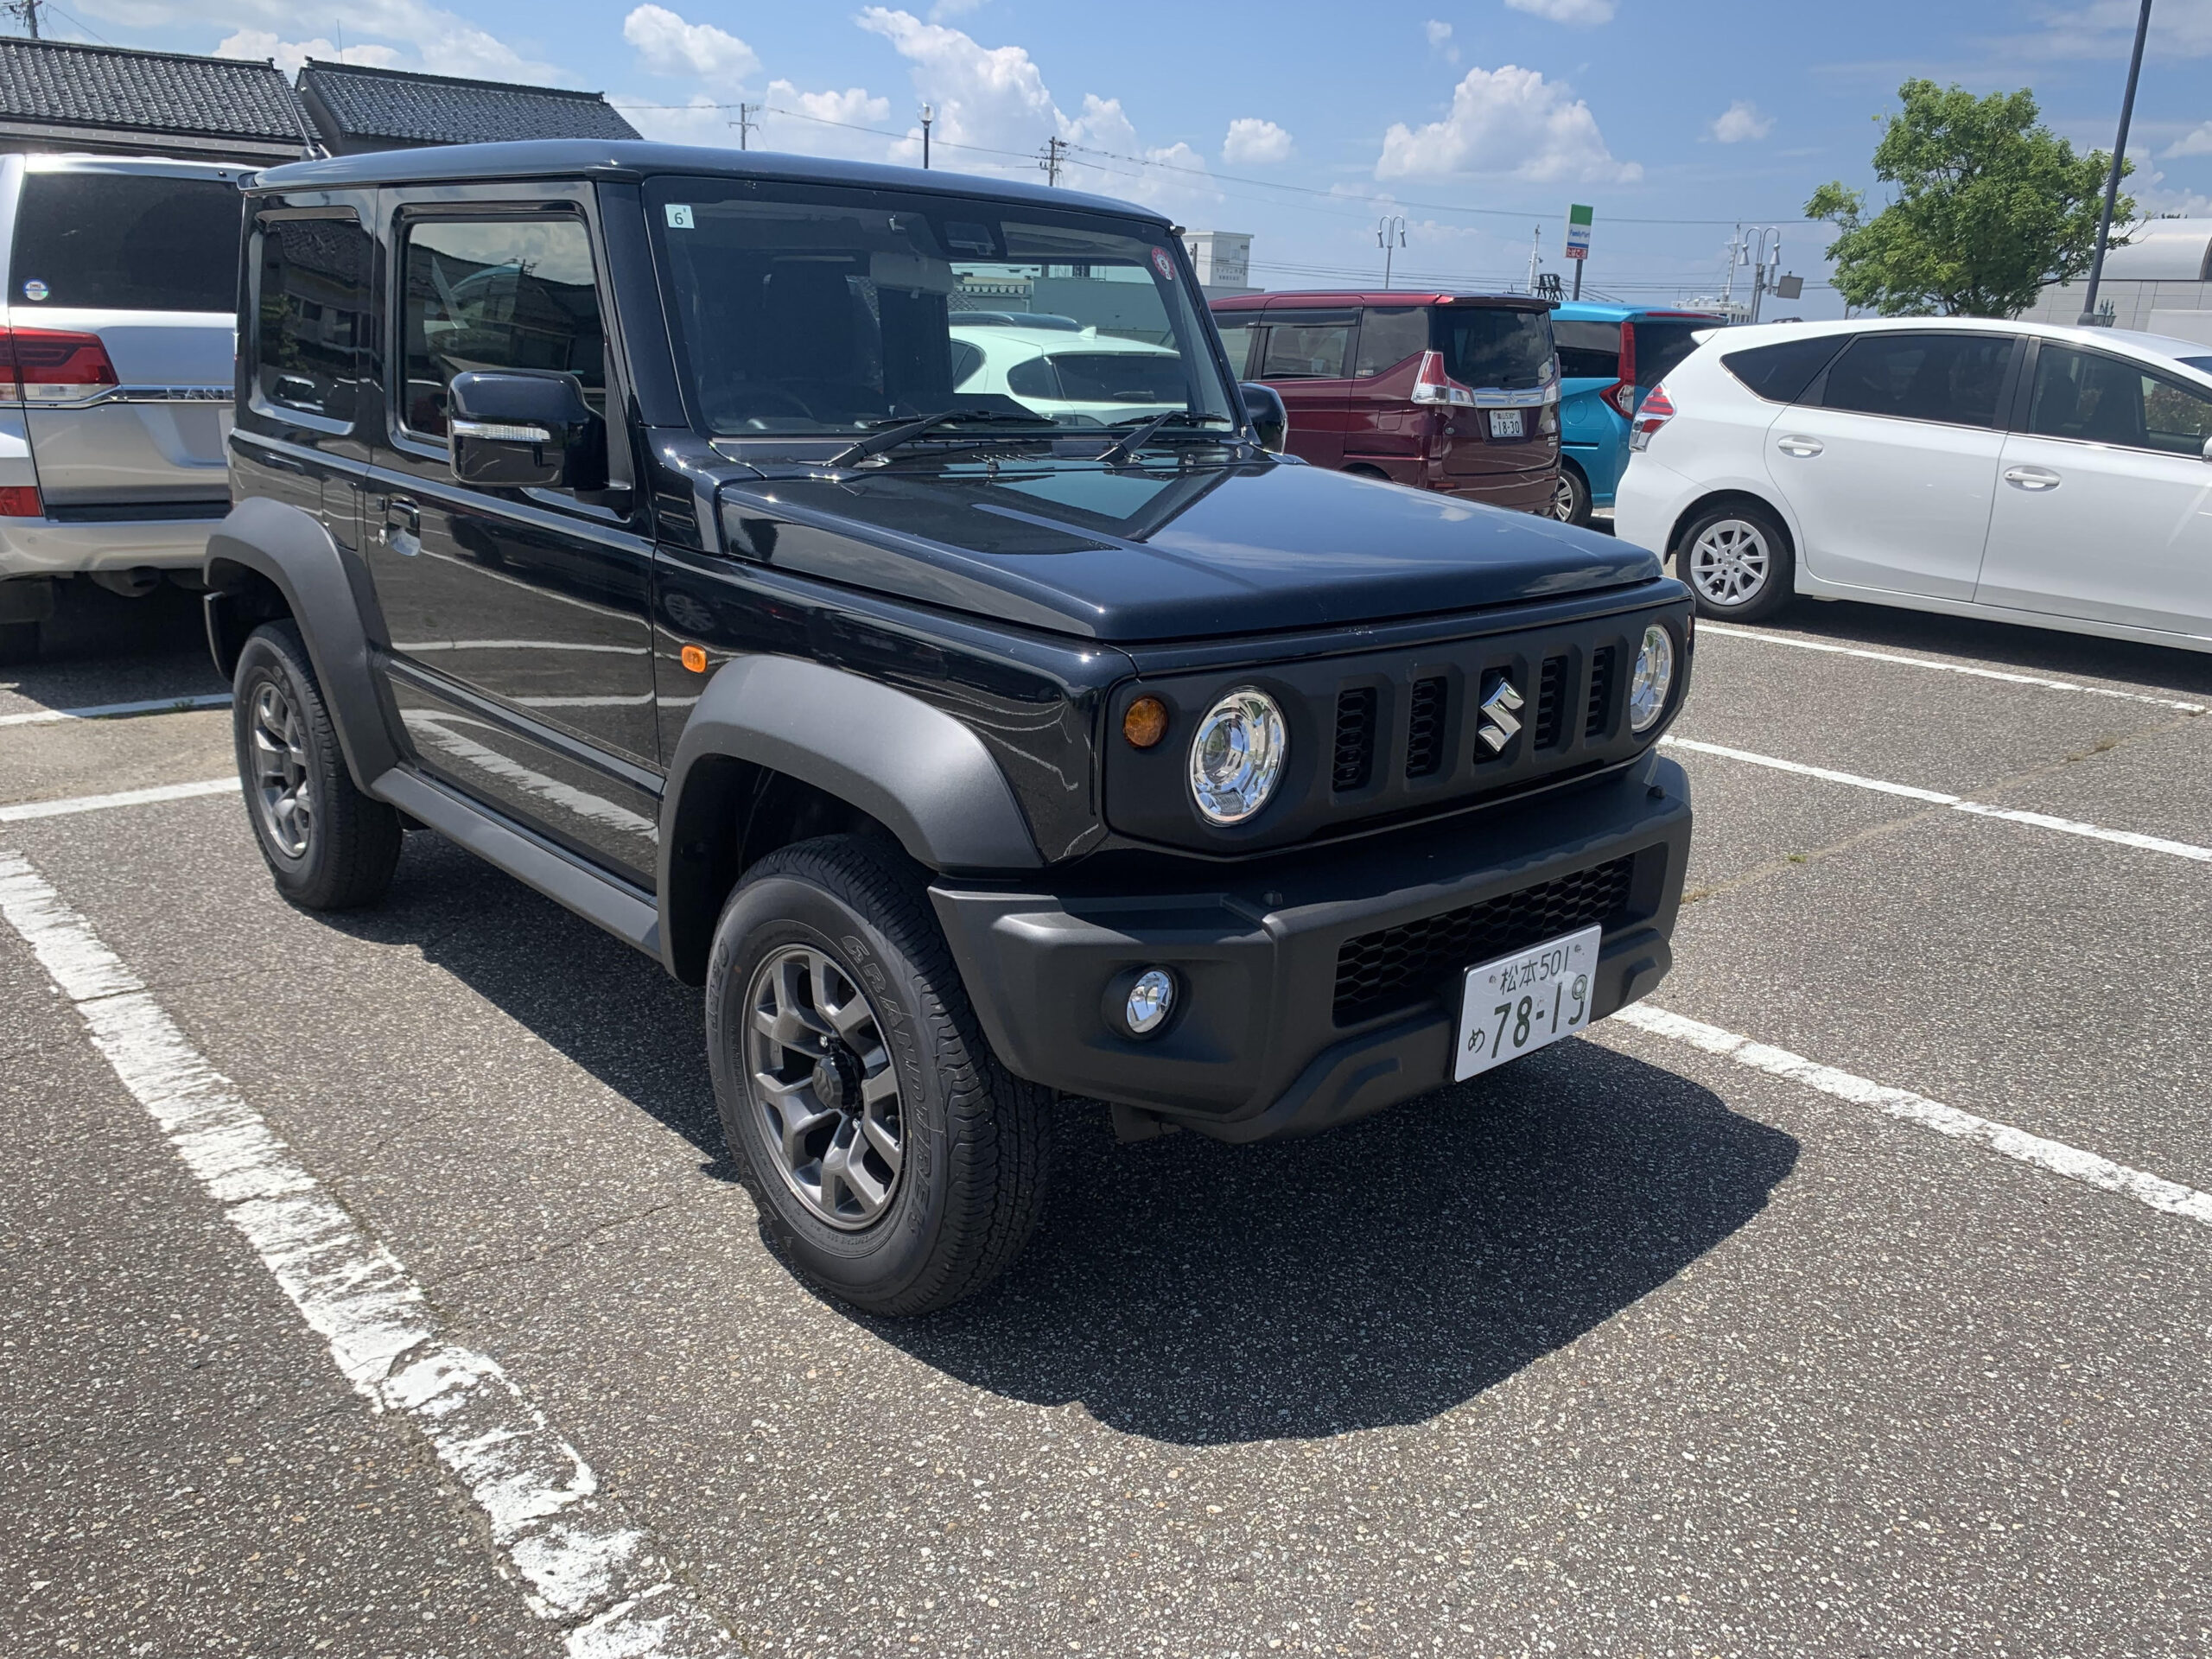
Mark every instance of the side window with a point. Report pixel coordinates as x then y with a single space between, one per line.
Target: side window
311 313
1781 373
1033 377
1236 331
1953 379
2099 399
1388 336
1588 350
1302 346
496 293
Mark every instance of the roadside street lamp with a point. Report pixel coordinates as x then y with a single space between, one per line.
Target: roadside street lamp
1385 227
928 114
2088 318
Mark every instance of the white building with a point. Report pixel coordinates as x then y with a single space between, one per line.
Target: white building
1224 260
2161 283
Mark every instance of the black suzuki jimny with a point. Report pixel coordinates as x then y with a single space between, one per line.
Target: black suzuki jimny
870 593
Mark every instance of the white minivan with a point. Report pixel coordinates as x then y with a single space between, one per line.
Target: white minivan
2055 476
117 338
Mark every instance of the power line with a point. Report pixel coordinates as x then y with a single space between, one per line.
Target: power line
1359 203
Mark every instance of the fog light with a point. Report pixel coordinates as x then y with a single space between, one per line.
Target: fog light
1151 1000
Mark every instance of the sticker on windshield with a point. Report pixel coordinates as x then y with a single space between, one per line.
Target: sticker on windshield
35 289
679 216
1163 264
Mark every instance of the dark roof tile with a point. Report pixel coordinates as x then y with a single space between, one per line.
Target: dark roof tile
392 104
61 83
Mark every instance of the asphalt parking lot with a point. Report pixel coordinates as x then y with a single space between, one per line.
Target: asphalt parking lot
1861 1307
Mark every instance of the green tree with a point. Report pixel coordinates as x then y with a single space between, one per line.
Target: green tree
1990 206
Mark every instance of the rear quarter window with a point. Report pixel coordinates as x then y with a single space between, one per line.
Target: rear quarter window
1781 373
126 242
311 305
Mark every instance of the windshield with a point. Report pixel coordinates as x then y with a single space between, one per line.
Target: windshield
1494 347
808 311
126 242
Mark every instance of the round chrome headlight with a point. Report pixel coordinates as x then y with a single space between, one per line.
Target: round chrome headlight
1238 755
1655 678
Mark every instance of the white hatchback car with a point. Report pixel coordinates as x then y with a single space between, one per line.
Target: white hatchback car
2055 476
1067 372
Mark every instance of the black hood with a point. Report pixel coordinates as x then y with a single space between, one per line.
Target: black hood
1167 553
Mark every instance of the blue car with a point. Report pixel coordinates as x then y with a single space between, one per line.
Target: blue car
1609 357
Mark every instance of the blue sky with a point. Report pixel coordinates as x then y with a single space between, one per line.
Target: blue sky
1303 123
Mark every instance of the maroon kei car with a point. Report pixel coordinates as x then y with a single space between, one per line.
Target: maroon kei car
1457 392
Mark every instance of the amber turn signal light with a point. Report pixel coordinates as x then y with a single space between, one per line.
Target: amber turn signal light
695 658
1145 723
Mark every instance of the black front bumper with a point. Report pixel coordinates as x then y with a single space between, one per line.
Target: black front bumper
1266 1040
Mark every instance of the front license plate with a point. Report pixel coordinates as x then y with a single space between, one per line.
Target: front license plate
1506 424
1518 1003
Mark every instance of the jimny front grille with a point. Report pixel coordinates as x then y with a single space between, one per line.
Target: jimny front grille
1399 967
1354 756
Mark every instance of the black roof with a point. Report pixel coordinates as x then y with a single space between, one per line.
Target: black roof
393 106
572 158
59 89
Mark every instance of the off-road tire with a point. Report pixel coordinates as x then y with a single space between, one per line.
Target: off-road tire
353 842
1779 584
977 1139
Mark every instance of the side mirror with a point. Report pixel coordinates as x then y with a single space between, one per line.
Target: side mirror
520 428
1270 421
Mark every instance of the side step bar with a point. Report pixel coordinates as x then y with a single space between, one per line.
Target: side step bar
619 908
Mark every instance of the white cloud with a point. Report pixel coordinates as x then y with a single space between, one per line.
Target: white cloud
1740 120
1508 121
667 45
259 44
2195 142
835 128
1252 141
1439 40
995 99
1582 13
387 34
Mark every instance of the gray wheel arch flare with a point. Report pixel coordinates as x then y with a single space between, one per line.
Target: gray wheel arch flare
915 769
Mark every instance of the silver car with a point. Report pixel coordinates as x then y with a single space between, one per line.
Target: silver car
115 384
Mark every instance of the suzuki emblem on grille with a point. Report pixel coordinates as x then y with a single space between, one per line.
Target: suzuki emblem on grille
1501 707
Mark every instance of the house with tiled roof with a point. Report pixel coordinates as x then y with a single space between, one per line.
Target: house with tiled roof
60 95
356 110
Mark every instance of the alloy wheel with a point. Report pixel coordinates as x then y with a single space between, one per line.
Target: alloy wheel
1563 499
824 1087
1730 562
281 792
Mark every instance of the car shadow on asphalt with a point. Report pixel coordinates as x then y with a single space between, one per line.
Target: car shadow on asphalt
1198 1292
2012 645
1201 1293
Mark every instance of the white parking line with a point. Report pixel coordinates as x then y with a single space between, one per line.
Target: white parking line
1728 632
2168 1197
23 810
1956 803
110 710
583 1565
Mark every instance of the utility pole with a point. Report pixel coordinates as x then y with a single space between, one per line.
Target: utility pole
2088 318
928 114
1536 255
744 124
27 11
1385 227
1054 150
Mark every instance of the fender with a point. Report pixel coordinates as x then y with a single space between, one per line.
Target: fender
327 597
913 768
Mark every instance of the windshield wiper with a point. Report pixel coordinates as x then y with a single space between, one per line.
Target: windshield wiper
891 437
1127 446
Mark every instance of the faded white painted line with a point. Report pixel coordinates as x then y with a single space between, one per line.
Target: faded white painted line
113 710
581 1564
23 810
1957 803
2168 1197
1726 632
